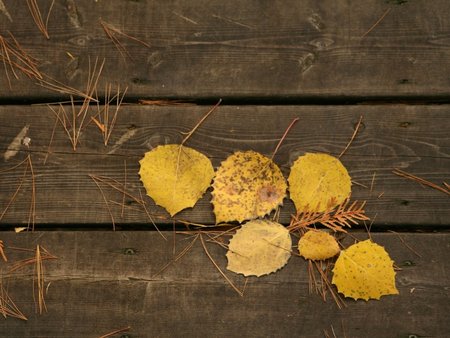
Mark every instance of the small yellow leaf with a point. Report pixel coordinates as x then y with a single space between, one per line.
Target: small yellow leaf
364 271
247 185
175 176
318 182
318 245
258 248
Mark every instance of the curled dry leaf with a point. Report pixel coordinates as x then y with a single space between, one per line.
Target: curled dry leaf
318 182
365 271
247 185
318 245
175 176
258 248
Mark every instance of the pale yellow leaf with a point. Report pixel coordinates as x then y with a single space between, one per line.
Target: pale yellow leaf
365 271
175 176
258 248
318 245
247 185
318 183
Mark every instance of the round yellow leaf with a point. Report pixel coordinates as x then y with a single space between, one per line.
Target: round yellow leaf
175 176
258 248
318 245
364 271
318 183
247 185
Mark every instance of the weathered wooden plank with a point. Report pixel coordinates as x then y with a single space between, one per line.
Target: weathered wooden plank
104 281
299 49
414 138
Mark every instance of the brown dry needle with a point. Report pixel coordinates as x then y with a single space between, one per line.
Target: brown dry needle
294 121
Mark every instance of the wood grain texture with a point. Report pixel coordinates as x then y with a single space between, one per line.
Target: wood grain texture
103 281
298 49
413 138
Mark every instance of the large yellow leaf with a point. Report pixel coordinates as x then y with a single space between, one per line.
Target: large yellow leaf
175 176
317 245
258 248
247 185
364 271
318 183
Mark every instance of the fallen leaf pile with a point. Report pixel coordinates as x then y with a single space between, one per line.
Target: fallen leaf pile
249 186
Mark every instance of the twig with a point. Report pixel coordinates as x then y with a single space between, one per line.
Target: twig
110 334
355 132
240 293
376 23
420 180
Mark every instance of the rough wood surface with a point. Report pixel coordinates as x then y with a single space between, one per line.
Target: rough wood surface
298 49
413 138
103 281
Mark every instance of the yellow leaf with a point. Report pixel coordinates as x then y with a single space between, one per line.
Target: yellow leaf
318 183
247 185
258 248
318 245
364 271
175 176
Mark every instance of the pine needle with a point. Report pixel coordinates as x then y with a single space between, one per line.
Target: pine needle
239 292
37 16
376 23
294 121
7 306
352 138
2 251
44 255
110 334
39 272
113 34
419 180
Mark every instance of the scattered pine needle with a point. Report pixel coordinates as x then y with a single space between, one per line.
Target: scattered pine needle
179 256
373 181
39 286
107 121
189 134
239 292
294 121
112 333
406 244
376 23
419 180
355 132
2 251
113 34
7 306
164 102
44 254
74 123
37 16
14 57
105 200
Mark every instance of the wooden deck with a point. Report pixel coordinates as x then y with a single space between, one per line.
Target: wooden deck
326 62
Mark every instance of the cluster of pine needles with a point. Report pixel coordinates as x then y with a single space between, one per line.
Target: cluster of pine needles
8 307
